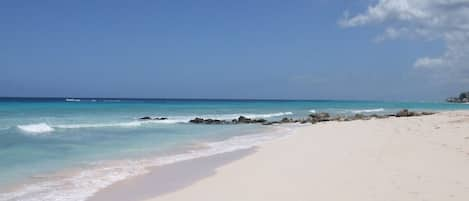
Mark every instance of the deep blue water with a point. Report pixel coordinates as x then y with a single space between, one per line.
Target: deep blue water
40 136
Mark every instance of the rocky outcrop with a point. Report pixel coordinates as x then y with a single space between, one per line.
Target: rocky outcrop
239 120
286 120
208 121
245 120
319 117
407 113
312 118
462 98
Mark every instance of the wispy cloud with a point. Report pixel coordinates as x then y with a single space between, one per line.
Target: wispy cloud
446 20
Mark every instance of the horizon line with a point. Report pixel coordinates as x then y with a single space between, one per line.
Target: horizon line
206 99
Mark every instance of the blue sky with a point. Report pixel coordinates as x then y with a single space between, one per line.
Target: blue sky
216 49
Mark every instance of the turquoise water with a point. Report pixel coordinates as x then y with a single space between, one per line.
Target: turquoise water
39 137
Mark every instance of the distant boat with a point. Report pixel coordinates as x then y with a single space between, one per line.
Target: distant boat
72 100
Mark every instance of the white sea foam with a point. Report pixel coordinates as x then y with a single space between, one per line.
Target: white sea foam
101 125
36 128
72 100
368 110
312 111
84 184
45 128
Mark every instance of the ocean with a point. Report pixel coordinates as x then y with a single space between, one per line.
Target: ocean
67 148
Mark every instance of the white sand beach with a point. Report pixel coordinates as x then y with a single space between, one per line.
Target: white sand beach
401 159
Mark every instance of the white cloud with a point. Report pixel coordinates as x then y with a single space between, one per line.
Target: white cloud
446 20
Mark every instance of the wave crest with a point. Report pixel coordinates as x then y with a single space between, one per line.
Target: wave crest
368 110
46 128
36 128
122 124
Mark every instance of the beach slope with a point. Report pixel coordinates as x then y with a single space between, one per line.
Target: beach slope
416 158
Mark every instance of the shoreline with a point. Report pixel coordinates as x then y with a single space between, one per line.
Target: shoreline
172 176
96 177
180 174
177 175
412 158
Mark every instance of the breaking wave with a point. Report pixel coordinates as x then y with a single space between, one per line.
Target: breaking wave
39 128
368 110
36 128
46 128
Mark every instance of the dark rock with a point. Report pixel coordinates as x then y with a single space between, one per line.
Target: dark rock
286 120
149 118
403 113
207 121
245 120
197 120
260 120
407 113
242 119
319 117
428 113
215 121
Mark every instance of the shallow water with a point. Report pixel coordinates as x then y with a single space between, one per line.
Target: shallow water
107 142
